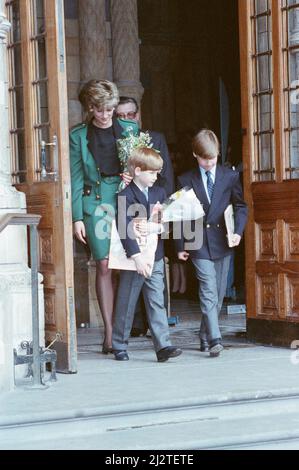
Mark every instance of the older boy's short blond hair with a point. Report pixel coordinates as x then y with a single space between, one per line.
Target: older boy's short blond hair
147 159
98 93
205 144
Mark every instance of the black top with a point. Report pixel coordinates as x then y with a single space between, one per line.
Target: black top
105 150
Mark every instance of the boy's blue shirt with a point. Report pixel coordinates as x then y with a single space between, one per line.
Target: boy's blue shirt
132 195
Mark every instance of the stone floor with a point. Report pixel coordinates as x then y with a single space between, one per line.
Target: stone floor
246 397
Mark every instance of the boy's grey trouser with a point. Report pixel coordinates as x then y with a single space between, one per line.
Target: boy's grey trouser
130 285
212 276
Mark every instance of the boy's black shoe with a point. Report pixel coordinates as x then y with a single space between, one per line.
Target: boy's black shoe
121 355
170 351
215 347
204 346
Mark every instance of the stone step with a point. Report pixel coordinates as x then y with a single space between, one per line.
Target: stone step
237 424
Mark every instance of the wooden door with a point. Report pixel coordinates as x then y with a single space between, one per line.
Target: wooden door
269 45
38 103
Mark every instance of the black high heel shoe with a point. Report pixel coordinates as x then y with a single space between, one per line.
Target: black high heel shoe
106 349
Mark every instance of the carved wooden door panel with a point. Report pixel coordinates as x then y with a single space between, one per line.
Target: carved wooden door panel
269 45
39 130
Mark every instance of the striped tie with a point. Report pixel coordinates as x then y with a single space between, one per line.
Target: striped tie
210 184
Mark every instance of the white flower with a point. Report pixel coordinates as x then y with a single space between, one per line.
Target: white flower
127 145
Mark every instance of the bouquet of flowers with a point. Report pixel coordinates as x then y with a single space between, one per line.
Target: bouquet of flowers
179 207
128 144
182 206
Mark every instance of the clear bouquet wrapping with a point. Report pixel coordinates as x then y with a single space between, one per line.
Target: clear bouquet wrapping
182 206
179 207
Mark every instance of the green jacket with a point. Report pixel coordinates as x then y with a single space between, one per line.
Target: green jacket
86 181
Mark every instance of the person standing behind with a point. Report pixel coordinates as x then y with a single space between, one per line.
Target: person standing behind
128 108
216 187
95 177
144 165
177 268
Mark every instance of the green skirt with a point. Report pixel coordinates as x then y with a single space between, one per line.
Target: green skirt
98 224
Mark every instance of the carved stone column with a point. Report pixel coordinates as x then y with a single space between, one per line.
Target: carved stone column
95 63
71 22
8 198
15 276
93 40
125 48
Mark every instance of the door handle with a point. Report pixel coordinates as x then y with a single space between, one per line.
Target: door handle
48 175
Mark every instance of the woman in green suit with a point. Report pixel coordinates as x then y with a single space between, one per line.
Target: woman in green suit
95 177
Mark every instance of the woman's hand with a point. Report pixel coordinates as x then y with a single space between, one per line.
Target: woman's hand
79 231
140 228
157 212
126 177
144 228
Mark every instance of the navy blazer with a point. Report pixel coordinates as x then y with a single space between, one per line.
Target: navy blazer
227 190
132 195
166 177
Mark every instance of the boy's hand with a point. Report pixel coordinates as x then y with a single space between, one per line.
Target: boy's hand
126 177
236 239
79 231
183 255
142 266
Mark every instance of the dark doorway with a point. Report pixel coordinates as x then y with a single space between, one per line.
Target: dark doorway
187 50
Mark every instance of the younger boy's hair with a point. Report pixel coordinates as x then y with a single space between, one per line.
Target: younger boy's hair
205 144
147 159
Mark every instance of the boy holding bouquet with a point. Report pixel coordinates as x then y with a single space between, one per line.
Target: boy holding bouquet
139 199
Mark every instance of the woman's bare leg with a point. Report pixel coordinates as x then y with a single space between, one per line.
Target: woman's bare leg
105 296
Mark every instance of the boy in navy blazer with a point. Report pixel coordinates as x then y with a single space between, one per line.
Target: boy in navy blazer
216 187
138 199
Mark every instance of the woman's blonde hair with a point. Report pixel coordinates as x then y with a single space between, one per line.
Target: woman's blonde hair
147 159
205 144
98 93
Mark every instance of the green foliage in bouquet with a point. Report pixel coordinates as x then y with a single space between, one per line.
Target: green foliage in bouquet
126 145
